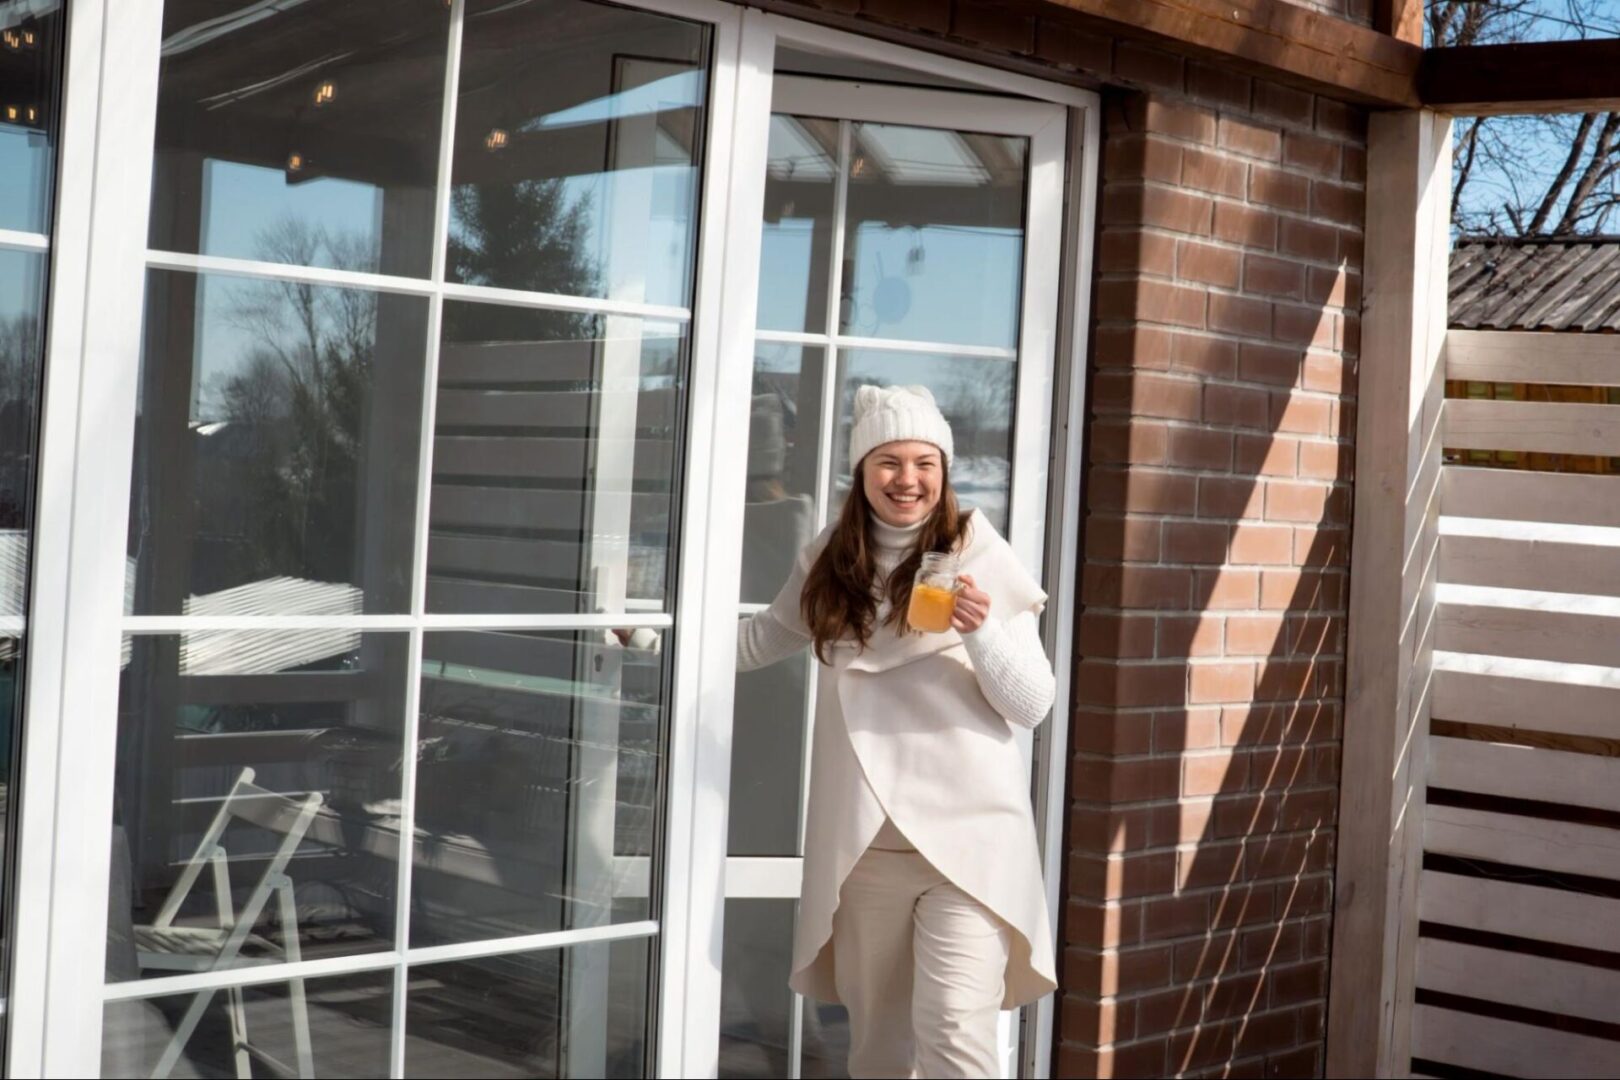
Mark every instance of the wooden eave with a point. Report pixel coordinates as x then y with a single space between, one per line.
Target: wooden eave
1324 53
1531 77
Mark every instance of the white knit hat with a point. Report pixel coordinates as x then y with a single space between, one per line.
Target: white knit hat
885 414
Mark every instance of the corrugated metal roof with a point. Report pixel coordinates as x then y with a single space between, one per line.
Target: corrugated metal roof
1536 284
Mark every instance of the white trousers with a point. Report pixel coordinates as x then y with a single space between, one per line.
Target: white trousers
920 966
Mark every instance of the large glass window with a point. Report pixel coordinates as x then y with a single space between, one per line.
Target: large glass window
397 653
30 74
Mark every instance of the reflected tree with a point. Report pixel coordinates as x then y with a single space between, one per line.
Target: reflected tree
19 389
527 235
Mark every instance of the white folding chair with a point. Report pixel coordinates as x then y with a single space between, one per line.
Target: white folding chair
167 947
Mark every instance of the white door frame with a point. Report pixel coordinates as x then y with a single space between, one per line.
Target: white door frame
75 628
689 1039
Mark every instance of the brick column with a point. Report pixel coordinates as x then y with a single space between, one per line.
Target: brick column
1209 682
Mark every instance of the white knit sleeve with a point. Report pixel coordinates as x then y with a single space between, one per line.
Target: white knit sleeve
1014 674
763 639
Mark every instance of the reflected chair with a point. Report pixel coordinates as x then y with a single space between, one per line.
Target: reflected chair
163 946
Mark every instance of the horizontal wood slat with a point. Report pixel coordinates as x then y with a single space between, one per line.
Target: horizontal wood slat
1524 357
552 409
1544 565
1562 846
542 459
494 557
1565 636
1525 772
1526 911
1532 427
1505 1047
1567 498
1511 978
475 506
1531 704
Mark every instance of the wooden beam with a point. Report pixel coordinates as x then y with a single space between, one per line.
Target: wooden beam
1400 19
1528 77
1392 586
1281 39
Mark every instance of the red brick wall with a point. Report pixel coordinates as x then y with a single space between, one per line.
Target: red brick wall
1210 682
1209 676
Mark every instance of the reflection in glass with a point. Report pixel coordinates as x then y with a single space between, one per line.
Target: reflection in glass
756 1005
575 1012
555 457
347 1017
276 448
303 133
22 294
800 167
558 734
30 66
976 396
578 132
824 1052
767 759
258 787
784 428
933 246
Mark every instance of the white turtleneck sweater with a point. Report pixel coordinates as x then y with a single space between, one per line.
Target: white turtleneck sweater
1008 658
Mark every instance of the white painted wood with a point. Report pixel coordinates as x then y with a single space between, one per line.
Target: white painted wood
1393 549
1533 426
1574 637
1522 357
1514 840
1525 772
1530 564
1510 1048
1570 498
1531 704
52 659
1527 911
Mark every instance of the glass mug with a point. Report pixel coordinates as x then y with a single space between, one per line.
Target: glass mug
933 593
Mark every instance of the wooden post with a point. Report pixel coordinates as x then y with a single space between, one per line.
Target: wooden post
1392 590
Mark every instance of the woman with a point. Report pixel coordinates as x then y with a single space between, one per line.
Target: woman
923 909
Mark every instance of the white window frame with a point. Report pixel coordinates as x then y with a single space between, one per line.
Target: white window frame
76 624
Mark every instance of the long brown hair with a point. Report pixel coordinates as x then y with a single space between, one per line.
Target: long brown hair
839 599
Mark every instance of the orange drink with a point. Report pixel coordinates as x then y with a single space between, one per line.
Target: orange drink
933 593
931 608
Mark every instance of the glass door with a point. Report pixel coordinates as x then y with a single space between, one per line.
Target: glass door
907 238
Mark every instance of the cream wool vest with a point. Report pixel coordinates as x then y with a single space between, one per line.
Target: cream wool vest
903 731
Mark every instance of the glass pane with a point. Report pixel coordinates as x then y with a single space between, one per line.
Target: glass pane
756 1006
554 462
258 784
578 132
976 396
784 429
800 169
824 1051
767 759
276 448
559 736
934 241
348 1018
22 316
30 58
574 1012
302 133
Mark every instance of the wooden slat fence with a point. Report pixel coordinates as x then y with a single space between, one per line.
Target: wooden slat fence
1518 956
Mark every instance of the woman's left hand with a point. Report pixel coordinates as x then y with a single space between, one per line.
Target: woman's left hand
972 606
